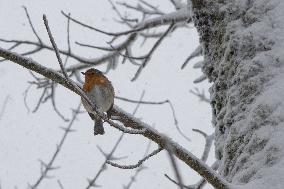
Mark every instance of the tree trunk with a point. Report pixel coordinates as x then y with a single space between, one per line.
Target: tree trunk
243 49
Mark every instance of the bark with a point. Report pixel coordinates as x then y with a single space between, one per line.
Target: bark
242 42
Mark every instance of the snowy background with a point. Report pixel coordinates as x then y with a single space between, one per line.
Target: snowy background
26 138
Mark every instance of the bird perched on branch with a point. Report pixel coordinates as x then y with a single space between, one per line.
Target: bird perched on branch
101 93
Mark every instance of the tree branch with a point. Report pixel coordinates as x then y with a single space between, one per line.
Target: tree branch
129 121
47 167
155 152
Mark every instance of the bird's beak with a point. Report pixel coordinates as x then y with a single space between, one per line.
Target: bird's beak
84 73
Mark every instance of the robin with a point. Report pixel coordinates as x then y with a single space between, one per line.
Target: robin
101 93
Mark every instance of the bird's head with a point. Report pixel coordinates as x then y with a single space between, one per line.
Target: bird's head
92 72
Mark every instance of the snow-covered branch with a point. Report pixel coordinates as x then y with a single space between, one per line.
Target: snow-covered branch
137 126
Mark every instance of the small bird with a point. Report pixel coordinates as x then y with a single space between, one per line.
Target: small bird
101 93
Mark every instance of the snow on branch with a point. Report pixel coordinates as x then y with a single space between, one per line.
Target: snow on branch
137 127
127 120
181 15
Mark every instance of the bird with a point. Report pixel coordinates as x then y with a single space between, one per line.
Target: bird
101 93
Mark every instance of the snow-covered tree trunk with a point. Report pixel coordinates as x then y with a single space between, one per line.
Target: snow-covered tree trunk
243 43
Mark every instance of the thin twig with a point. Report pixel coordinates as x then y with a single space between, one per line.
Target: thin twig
175 182
25 94
68 41
140 162
129 121
142 102
79 90
197 52
31 24
175 167
60 184
208 143
4 105
95 47
88 26
92 182
200 95
84 62
128 56
40 100
46 167
176 123
162 20
200 183
54 103
139 103
133 178
142 9
55 47
68 34
152 51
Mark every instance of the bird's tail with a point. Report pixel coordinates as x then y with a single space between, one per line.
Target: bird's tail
98 128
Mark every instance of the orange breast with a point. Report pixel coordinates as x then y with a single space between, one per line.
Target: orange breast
94 80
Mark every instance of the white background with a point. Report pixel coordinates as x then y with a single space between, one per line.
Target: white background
26 137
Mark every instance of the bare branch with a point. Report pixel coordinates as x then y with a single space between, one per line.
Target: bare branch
200 79
159 103
25 94
143 10
151 52
200 183
200 95
197 52
180 16
175 167
31 24
4 105
87 26
84 62
92 182
79 90
139 103
150 6
49 166
129 121
176 123
133 178
54 104
95 47
124 19
55 47
68 35
175 182
198 64
208 143
177 4
68 41
60 184
140 162
109 156
142 102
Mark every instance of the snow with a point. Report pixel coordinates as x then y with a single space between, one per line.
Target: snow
248 92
